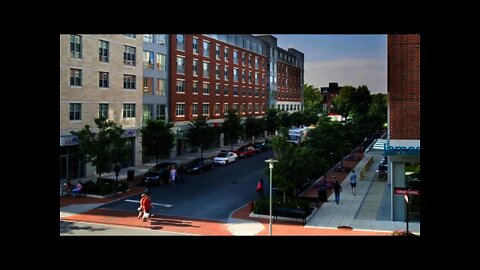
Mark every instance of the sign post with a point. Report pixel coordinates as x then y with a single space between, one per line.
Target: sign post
406 194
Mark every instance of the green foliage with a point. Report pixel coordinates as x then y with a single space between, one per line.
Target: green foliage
273 120
89 187
285 120
157 138
200 134
313 100
232 126
297 119
104 147
254 127
122 186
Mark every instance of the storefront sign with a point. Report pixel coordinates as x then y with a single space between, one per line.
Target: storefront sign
68 140
401 150
406 191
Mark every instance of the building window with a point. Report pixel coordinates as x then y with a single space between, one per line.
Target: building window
225 77
180 110
257 108
205 109
225 54
128 110
225 108
103 79
235 91
76 46
129 81
103 51
250 108
160 39
243 91
195 109
147 86
148 59
217 52
256 78
180 65
75 77
195 88
225 90
217 89
130 35
243 76
249 91
75 111
147 112
250 77
243 59
161 62
206 49
103 110
235 74
161 87
249 60
129 56
160 112
195 67
180 86
217 108
235 57
256 63
217 72
148 38
206 88
180 42
256 92
244 108
235 107
195 45
206 70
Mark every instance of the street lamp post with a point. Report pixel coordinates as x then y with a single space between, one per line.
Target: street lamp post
270 165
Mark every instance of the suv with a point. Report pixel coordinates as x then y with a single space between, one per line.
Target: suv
260 147
158 173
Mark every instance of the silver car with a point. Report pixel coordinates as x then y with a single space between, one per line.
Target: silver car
225 158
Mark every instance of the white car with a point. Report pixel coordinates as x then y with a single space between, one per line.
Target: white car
225 158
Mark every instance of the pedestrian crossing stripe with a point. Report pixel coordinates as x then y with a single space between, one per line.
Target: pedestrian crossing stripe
157 204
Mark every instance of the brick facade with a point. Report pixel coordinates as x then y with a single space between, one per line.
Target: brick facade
404 86
189 98
289 83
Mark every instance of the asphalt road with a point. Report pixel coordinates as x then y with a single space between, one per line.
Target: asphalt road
68 228
211 195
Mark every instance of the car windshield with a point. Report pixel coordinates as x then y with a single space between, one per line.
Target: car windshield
222 155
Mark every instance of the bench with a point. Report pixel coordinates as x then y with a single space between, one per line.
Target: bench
65 192
291 213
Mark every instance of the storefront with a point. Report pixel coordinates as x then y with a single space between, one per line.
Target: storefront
404 161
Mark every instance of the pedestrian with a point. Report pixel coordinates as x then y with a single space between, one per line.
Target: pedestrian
353 181
173 175
260 188
146 206
337 189
77 189
140 209
67 186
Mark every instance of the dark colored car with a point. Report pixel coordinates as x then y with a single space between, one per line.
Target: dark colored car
260 147
245 151
158 174
199 165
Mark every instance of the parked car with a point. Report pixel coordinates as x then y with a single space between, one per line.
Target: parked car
199 165
225 158
158 173
245 151
260 147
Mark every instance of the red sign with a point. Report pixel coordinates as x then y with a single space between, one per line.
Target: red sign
406 191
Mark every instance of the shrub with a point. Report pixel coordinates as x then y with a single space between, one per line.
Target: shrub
89 187
122 186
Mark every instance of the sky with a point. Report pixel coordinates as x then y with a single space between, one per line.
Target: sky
346 59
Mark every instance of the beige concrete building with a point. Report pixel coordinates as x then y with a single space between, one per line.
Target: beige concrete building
99 75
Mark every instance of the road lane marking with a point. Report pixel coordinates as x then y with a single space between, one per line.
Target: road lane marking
158 204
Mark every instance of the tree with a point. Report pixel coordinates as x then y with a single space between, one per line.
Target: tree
200 134
297 119
343 104
104 147
157 138
232 127
273 120
254 126
285 120
313 99
377 112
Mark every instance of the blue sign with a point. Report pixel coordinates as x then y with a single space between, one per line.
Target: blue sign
401 150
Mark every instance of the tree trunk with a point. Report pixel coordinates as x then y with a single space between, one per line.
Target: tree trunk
284 197
99 179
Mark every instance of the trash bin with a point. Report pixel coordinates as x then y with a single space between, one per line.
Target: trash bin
130 175
322 194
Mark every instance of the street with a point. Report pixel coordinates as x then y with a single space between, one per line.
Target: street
211 195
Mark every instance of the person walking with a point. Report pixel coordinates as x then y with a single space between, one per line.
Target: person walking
140 209
146 206
260 188
353 181
337 189
173 175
